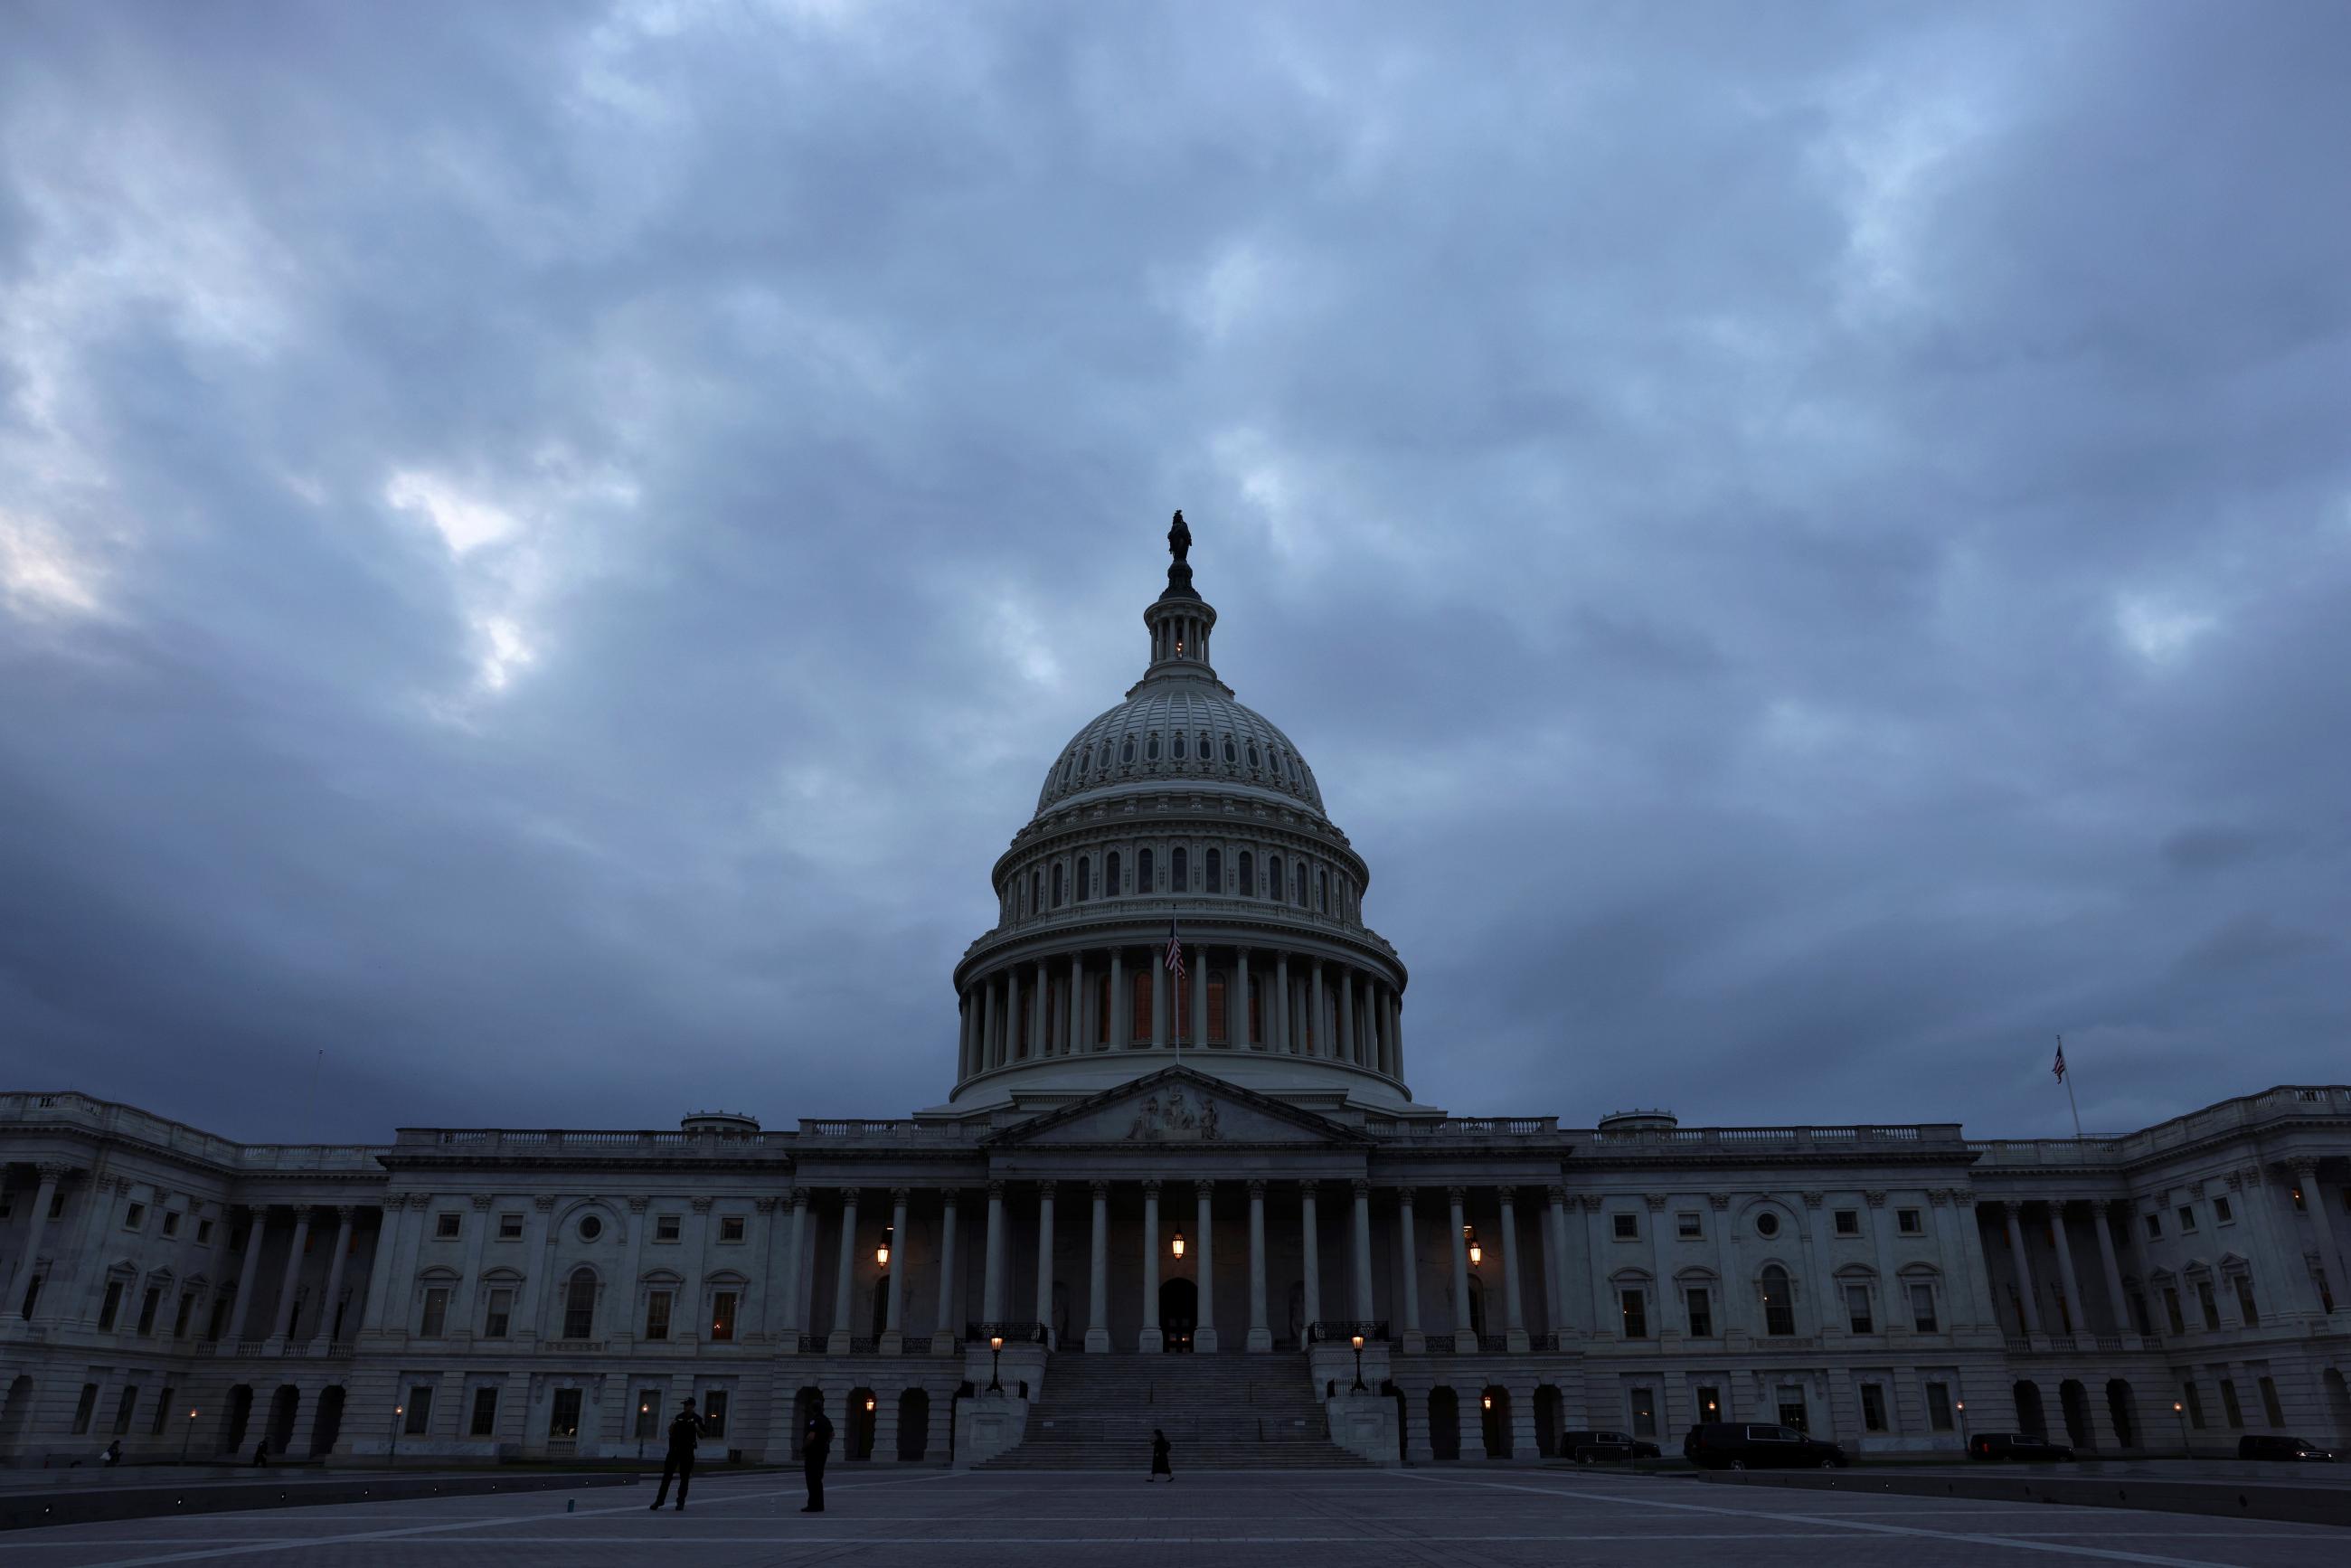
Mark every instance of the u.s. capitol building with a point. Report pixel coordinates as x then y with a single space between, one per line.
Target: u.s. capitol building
1197 1195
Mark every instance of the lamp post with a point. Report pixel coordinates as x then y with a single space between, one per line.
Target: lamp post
645 1409
996 1362
2180 1414
397 1412
187 1433
1358 1343
1963 1425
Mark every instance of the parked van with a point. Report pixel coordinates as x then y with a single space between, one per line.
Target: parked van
1735 1445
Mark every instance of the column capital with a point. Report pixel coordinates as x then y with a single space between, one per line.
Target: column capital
1100 1188
2305 1166
2236 1180
1718 1201
1506 1192
1306 1188
1556 1194
765 1205
1938 1196
949 1194
1875 1199
1963 1197
1045 1190
1205 1186
343 1212
1454 1195
1150 1187
544 1202
996 1192
1814 1199
1656 1200
480 1200
55 1170
1257 1186
1592 1201
1404 1195
899 1195
1360 1186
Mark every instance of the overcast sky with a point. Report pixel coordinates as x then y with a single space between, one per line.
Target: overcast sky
544 554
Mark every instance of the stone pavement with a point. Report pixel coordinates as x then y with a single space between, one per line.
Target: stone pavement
1430 1516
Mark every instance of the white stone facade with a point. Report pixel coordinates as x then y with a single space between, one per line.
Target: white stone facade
472 1293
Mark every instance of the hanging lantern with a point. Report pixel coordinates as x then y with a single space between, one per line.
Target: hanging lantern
881 1252
1477 1253
1179 1244
869 1404
1487 1400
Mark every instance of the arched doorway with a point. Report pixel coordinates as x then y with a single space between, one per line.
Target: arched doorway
282 1406
1547 1422
2030 1416
805 1405
1179 1312
1494 1420
16 1414
862 1406
2122 1408
1477 1308
1444 1423
329 1423
913 1424
2075 1401
2338 1403
236 1415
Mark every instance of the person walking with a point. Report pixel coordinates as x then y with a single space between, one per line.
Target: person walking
114 1453
816 1446
261 1454
1159 1465
684 1432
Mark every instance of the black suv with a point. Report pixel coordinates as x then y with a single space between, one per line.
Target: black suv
1732 1446
2015 1445
2266 1448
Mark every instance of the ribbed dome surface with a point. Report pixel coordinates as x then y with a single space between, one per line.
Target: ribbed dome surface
1159 733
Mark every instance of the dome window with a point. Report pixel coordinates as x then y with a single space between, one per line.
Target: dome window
1151 747
1066 764
1248 876
1273 875
1178 870
1143 869
1300 880
1057 885
1254 766
1322 894
1109 875
1179 746
1085 877
1036 893
1086 760
1126 752
1230 758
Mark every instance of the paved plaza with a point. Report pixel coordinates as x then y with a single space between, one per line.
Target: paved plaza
1422 1517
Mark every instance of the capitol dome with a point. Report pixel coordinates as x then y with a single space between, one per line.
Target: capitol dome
1181 816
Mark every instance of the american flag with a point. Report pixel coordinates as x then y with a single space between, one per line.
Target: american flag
1176 952
2060 1069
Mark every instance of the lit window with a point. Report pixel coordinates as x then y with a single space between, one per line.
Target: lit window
1636 1307
722 1316
1644 1412
714 1412
563 1415
1779 1308
436 1313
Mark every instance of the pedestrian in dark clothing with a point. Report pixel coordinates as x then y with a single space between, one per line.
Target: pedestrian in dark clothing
816 1446
114 1454
684 1432
261 1454
1159 1465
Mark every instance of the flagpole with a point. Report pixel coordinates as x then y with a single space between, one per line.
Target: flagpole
2069 1091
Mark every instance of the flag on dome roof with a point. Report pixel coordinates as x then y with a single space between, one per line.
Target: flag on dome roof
2060 1069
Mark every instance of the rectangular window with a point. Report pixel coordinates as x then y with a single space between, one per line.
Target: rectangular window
722 1316
2187 1219
2195 1401
123 1408
1701 1312
1848 1222
1908 1222
2154 1225
163 1416
2171 1309
203 1232
2212 1309
1856 1307
2221 1213
2230 1408
419 1419
509 1227
665 1226
2138 1311
170 1222
2245 1308
1922 1307
563 1415
84 1408
179 1318
499 1318
436 1313
1938 1406
2272 1411
1686 1227
657 1315
147 1307
1636 1309
111 1306
1873 1407
134 1216
648 1404
1645 1413
447 1227
485 1423
714 1412
730 1227
1628 1227
1710 1404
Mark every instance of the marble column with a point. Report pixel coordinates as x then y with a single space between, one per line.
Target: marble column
1465 1340
238 1309
1148 1342
1040 1012
991 1294
1318 1026
794 1323
1012 1013
962 1034
51 1173
1196 970
343 1213
893 1316
1379 1037
1363 1251
285 1319
1204 1337
1119 1028
1608 1321
2330 1251
1163 1004
379 1284
1555 1259
1073 1012
1045 1257
1260 1337
1243 1036
2066 1276
1097 1275
1514 1310
1409 1234
947 1324
1977 1269
987 993
1396 1032
843 1322
1311 1256
2024 1269
1345 1034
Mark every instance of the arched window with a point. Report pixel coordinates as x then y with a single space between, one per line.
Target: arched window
1216 1031
1086 761
1205 754
579 1305
1151 747
1178 865
1321 893
1230 758
1273 876
1068 763
1179 746
1085 877
1300 880
1143 881
1779 1307
1037 892
1057 885
1109 875
1216 871
1126 751
1139 1018
1254 766
1248 876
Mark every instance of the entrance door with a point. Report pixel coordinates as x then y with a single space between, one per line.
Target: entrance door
1179 1312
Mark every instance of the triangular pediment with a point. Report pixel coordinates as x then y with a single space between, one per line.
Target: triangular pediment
1176 1107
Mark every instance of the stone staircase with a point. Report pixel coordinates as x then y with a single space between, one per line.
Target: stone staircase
1220 1412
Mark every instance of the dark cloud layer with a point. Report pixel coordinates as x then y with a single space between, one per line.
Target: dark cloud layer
543 553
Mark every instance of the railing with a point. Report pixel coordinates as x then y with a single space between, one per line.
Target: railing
864 1345
544 1142
572 1346
2020 1344
2109 1342
1829 1138
1343 1330
899 1130
2064 1342
1543 1343
914 1345
2242 1112
811 1344
1011 1334
1438 1344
